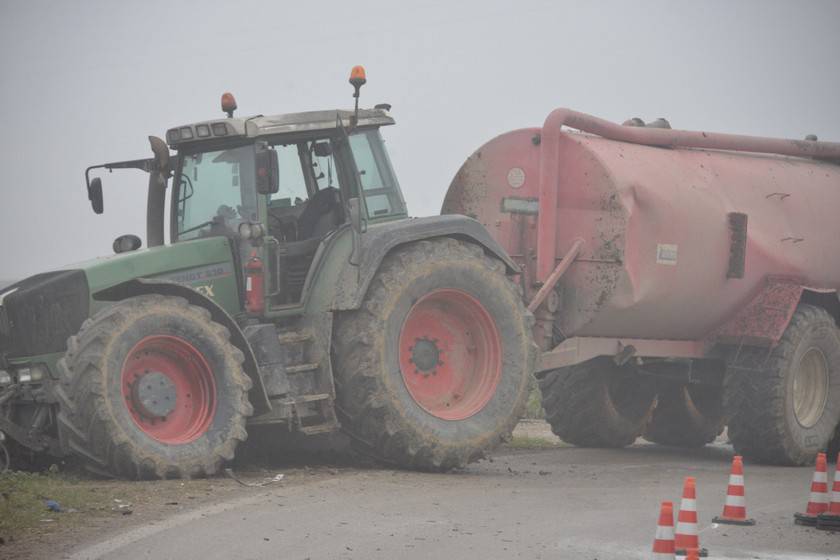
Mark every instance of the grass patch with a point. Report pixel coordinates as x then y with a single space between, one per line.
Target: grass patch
528 442
23 499
534 409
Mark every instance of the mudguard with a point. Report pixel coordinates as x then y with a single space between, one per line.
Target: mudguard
381 239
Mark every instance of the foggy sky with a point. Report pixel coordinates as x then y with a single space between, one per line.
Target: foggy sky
86 82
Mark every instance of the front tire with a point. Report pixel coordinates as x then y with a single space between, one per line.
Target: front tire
433 370
784 403
152 387
597 403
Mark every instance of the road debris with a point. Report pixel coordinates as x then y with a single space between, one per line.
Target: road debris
277 478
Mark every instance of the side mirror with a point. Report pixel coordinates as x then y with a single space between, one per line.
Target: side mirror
322 149
94 189
268 172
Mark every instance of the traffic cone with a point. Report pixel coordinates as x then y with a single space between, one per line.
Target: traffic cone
686 537
735 507
830 519
693 554
818 501
663 544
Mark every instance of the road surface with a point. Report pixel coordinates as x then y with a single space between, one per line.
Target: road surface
560 502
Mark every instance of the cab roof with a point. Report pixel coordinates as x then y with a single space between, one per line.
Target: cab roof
260 125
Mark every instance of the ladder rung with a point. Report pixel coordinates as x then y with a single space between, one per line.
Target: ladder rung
301 368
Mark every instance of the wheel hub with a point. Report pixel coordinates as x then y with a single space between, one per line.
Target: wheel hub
154 394
425 355
450 354
810 388
168 389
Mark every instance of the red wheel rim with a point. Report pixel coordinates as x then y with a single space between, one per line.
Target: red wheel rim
450 354
169 389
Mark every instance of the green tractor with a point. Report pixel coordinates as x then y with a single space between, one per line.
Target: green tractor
296 293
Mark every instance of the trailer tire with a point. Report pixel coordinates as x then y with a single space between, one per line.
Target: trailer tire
784 403
687 415
151 387
597 403
433 370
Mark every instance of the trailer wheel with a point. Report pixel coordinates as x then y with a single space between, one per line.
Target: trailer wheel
433 370
152 387
784 403
597 404
687 416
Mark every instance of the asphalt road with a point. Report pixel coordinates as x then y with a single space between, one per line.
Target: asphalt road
542 503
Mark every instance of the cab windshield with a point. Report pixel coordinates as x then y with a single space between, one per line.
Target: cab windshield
215 193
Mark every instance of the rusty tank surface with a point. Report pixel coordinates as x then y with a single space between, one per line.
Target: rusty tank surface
664 264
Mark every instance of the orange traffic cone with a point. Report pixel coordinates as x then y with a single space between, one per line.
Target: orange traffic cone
686 537
735 507
830 519
818 501
693 554
663 544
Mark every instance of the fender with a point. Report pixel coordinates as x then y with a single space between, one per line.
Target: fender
381 239
139 286
763 321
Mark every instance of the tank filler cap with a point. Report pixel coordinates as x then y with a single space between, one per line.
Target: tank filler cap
659 123
635 121
811 138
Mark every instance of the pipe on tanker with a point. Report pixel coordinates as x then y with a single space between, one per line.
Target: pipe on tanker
667 138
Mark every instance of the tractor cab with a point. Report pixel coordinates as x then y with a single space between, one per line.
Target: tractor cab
277 187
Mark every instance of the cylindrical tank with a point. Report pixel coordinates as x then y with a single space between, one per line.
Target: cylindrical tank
663 226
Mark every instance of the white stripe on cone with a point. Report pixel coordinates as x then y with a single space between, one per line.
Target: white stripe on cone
737 501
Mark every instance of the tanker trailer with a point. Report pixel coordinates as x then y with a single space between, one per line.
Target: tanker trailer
681 281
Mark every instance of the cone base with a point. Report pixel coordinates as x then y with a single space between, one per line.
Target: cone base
701 552
828 522
733 521
805 519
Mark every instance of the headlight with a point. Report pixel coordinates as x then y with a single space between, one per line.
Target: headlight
5 378
24 375
38 372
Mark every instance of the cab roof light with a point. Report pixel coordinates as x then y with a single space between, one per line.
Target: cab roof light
202 131
219 129
228 104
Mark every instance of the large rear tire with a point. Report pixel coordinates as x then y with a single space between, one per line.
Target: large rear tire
686 415
433 370
784 403
597 403
152 387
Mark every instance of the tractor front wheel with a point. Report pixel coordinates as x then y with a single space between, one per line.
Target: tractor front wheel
152 387
433 370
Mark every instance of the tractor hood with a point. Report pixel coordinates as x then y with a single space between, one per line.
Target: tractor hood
164 262
39 314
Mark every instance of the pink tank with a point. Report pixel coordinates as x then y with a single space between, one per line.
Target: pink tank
689 236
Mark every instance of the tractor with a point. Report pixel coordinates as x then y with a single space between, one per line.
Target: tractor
295 293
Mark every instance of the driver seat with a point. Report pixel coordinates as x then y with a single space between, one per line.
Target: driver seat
321 215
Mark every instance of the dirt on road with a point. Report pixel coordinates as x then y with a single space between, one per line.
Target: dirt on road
536 498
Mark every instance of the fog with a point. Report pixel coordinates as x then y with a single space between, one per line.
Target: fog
84 83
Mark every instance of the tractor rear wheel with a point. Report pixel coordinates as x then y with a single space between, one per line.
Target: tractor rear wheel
686 415
784 403
597 403
433 370
152 387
